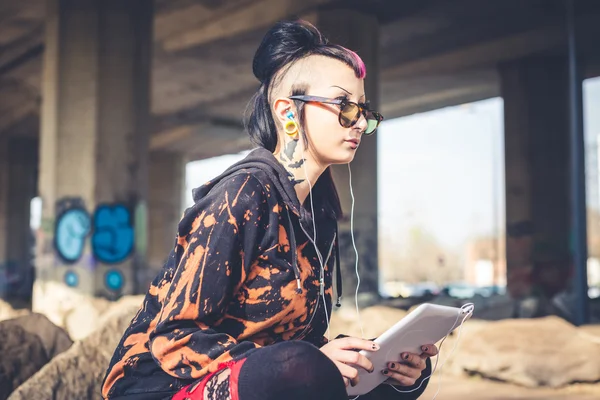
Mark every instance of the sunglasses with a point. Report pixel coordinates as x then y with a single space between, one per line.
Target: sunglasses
350 112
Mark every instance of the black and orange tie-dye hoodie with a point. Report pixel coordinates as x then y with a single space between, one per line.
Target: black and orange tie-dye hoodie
243 274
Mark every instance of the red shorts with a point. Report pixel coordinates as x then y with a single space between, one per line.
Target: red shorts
195 391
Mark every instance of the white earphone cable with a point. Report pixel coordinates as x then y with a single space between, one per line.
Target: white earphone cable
319 256
355 253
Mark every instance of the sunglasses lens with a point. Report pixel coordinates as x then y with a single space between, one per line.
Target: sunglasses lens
371 126
349 115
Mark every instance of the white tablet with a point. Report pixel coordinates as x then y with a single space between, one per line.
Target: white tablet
428 323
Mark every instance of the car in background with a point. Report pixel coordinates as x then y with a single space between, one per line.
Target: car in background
464 290
459 290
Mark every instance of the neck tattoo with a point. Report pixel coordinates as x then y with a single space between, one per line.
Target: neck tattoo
291 160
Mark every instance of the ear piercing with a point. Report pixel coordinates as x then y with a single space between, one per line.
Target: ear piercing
290 127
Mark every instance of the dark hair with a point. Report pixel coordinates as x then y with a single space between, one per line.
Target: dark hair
284 44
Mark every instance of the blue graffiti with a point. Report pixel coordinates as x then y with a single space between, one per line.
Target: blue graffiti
113 239
113 279
72 227
71 278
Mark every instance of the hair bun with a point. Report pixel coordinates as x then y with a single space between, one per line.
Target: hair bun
282 44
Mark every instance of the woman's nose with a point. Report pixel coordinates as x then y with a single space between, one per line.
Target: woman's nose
362 123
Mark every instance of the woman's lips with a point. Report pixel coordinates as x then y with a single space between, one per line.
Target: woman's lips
353 143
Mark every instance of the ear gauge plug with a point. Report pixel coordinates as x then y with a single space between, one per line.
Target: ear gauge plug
290 127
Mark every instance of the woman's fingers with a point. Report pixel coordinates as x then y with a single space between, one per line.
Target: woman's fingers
429 350
349 373
352 343
402 380
405 370
355 358
413 360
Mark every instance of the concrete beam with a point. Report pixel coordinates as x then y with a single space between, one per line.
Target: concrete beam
491 52
438 99
174 19
17 102
22 50
228 23
502 49
166 138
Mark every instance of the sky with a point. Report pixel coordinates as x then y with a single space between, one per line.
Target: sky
450 178
450 170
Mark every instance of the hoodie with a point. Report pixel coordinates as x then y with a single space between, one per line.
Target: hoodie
243 274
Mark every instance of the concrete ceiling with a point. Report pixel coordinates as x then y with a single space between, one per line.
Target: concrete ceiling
434 53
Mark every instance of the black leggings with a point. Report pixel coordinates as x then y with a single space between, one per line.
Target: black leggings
291 370
295 370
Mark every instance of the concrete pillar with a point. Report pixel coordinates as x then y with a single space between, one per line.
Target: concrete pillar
23 165
165 206
535 93
358 31
18 185
93 150
4 174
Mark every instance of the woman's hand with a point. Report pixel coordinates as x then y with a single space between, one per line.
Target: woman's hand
345 351
409 369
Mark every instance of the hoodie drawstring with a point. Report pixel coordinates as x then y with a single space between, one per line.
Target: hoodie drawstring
292 240
338 269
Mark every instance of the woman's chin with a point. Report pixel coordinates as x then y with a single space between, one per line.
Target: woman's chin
344 156
345 159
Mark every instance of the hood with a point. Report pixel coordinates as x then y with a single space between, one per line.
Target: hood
265 161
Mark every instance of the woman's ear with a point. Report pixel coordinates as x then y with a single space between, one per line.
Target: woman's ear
281 107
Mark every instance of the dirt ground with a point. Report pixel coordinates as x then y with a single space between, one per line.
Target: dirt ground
453 388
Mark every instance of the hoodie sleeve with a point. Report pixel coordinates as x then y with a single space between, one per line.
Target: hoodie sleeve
219 238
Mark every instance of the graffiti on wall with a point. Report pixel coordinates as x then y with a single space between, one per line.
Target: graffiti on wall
71 229
112 240
114 280
110 232
71 278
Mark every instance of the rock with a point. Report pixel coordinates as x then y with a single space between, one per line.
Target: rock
54 339
79 314
78 372
23 354
529 352
592 332
68 308
82 320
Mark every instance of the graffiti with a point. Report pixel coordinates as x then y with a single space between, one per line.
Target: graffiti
71 229
71 279
113 236
114 280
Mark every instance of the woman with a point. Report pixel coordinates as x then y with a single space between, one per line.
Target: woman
240 309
